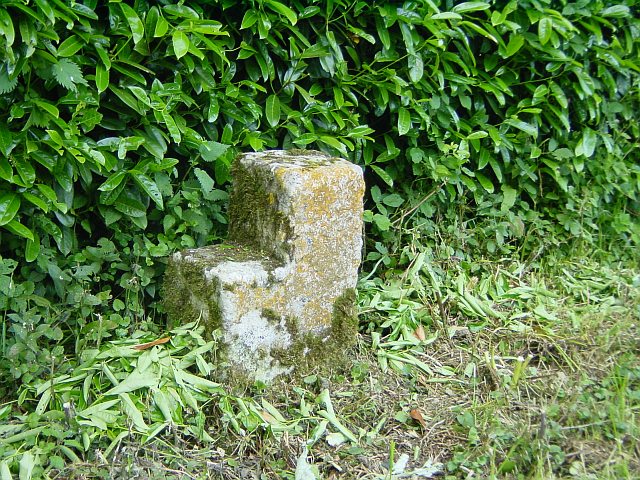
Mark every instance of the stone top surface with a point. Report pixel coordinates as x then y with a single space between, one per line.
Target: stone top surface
225 252
301 159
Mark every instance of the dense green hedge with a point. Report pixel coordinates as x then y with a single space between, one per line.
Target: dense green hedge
118 123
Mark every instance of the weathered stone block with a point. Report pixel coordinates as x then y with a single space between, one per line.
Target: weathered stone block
282 290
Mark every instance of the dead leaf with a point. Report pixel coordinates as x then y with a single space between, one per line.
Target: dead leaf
267 417
144 346
417 416
419 333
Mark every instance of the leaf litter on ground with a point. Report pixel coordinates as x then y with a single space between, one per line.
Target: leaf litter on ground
504 364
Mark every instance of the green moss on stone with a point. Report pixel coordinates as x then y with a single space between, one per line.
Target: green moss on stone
251 204
312 351
184 281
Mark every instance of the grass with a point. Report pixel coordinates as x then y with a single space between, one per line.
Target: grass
465 368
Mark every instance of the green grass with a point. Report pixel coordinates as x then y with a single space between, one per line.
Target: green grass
465 368
545 383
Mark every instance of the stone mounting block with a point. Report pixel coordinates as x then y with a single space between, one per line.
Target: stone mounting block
281 291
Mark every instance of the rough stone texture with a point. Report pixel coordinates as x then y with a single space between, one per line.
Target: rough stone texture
282 288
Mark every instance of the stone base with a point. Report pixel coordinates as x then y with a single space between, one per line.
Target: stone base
243 295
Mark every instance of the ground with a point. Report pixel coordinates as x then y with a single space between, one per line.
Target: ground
512 370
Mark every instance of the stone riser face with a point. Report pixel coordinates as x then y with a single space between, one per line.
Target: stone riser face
285 284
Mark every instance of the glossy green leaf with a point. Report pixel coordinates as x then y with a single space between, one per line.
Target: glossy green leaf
37 201
404 121
135 24
545 29
6 172
559 95
161 28
130 206
272 110
515 44
509 196
361 131
6 27
44 6
477 135
47 192
282 9
466 7
589 141
150 188
104 56
47 107
70 46
180 11
383 32
416 67
6 139
127 144
468 182
335 143
180 43
482 31
9 206
25 170
134 75
206 27
358 34
616 11
32 249
446 16
102 78
112 182
151 20
154 142
249 19
524 126
171 126
55 137
578 163
383 175
19 229
485 182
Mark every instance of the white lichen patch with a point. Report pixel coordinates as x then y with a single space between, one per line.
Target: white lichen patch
281 273
252 338
229 273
